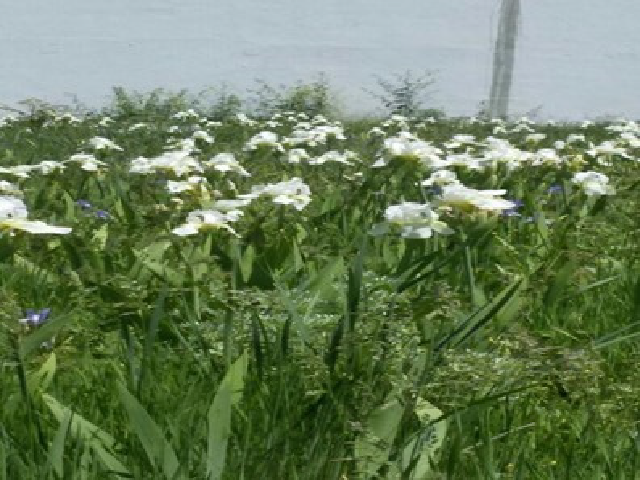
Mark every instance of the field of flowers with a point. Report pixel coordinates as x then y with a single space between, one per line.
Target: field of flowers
298 298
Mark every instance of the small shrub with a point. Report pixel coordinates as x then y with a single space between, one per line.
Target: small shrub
313 98
406 94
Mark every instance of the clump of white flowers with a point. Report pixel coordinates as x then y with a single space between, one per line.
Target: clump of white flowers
607 149
312 135
203 136
291 192
593 183
415 220
245 120
406 145
189 114
264 139
179 162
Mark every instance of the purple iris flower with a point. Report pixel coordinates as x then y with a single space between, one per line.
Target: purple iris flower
35 318
83 204
513 211
102 214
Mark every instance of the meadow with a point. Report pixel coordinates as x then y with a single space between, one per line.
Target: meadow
294 297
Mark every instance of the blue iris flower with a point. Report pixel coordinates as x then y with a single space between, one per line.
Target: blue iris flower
35 318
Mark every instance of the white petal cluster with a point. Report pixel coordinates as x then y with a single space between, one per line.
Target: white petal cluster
87 162
607 148
192 184
297 155
593 183
9 188
310 135
440 178
245 120
406 145
415 220
226 162
230 205
291 192
465 199
178 162
460 140
334 156
200 220
535 137
138 126
101 143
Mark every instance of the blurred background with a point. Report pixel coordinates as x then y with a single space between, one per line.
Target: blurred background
565 60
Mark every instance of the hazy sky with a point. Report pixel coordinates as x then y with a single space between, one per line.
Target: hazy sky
574 59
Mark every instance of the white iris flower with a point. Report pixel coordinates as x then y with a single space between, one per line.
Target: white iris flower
13 216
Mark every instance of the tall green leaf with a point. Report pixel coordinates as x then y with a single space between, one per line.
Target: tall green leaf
158 449
219 416
373 446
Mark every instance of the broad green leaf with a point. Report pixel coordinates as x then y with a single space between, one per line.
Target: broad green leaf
316 286
42 334
373 446
4 453
40 273
160 269
70 206
56 450
419 453
99 237
246 263
157 448
561 281
41 379
219 416
97 439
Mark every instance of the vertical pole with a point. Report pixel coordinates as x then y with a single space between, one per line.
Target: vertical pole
503 58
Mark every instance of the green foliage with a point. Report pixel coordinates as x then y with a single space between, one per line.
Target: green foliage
158 103
305 347
312 98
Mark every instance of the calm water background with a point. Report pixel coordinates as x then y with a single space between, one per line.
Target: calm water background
575 58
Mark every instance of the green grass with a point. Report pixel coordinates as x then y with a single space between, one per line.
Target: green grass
307 348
